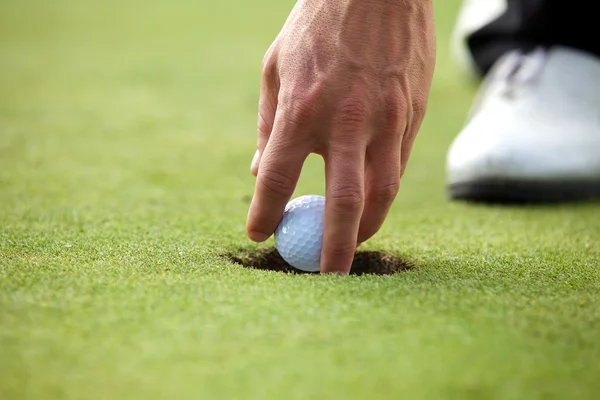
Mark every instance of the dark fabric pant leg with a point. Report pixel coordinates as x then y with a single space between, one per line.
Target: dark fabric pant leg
527 24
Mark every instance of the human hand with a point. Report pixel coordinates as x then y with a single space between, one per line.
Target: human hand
348 80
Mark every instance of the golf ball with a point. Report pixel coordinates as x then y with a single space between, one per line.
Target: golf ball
299 236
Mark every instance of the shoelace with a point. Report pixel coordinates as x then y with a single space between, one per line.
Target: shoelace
516 70
521 69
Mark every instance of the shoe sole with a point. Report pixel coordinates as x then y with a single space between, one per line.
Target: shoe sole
524 192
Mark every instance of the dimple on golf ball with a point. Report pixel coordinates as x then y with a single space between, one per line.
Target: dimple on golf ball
299 236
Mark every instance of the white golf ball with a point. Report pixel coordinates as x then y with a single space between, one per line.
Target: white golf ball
299 236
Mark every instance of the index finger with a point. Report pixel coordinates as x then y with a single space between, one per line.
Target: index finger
280 168
344 204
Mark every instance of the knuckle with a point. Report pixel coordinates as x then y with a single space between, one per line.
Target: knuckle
276 182
419 104
300 109
395 104
347 199
392 111
342 249
385 194
353 111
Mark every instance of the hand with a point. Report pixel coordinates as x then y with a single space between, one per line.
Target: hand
348 80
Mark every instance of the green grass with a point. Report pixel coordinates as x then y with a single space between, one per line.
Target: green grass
126 132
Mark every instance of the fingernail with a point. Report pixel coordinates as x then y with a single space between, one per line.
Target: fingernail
255 160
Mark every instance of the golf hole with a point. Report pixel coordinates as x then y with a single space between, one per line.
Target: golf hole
365 262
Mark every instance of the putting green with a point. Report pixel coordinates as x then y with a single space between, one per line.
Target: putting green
126 133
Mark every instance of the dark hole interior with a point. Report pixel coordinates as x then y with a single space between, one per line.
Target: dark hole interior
365 262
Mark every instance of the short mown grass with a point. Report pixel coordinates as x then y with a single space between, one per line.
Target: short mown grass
126 132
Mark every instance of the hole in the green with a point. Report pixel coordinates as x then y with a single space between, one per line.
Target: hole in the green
365 262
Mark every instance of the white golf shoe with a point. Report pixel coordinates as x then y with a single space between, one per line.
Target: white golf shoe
533 133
